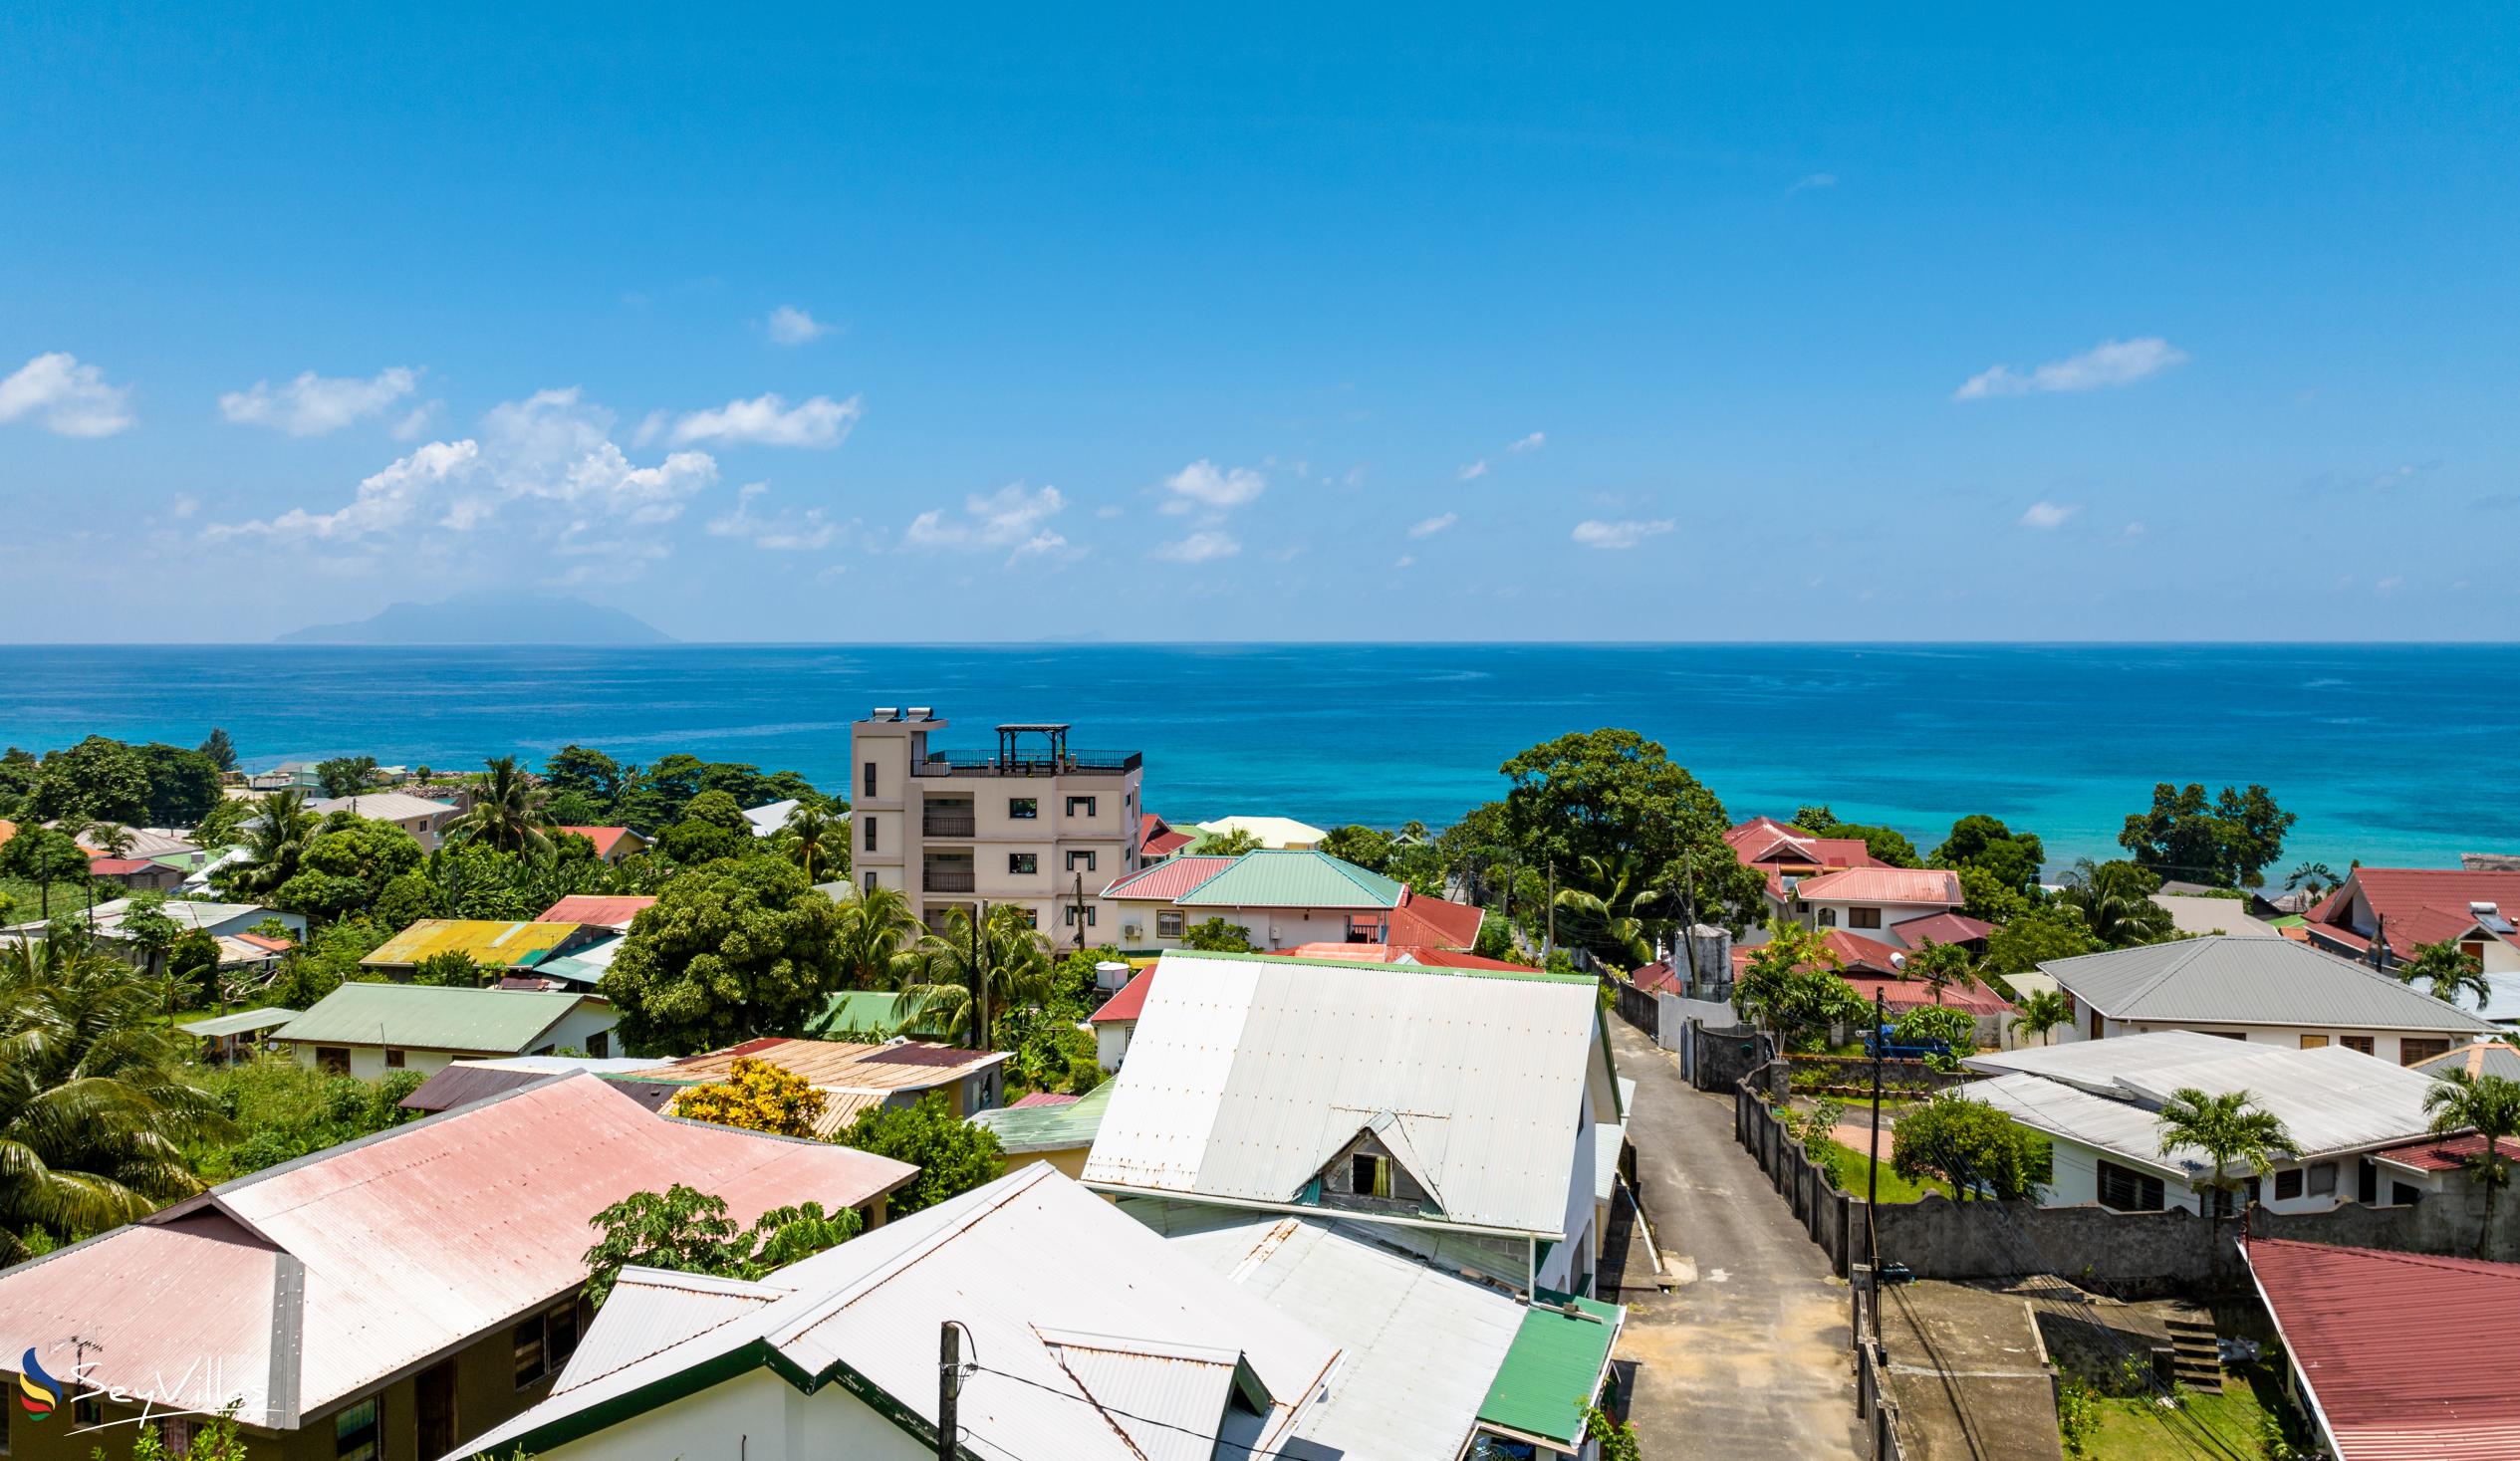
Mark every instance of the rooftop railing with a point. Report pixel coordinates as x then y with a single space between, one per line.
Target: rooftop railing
983 763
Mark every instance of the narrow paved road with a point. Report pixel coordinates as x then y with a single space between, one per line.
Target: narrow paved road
1748 1357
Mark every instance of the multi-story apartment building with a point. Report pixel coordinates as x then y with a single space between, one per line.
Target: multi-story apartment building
1033 823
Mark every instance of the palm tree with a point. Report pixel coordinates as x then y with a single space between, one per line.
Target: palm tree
876 927
2042 1012
810 834
965 974
1942 965
2116 905
93 1106
2488 1105
110 838
2447 971
507 812
1612 895
1228 843
2313 879
2232 1131
275 840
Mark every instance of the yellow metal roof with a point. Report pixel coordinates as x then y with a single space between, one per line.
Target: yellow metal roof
496 943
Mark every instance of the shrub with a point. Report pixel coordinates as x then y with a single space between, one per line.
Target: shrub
757 1096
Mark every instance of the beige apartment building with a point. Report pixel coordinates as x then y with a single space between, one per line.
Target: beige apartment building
1032 823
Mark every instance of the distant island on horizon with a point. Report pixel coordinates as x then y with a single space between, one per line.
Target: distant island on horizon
488 616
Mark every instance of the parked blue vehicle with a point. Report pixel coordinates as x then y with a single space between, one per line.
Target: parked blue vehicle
1885 1044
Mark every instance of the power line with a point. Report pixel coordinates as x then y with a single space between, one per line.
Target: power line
1084 1399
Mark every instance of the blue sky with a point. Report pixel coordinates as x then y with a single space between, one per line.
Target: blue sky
1446 324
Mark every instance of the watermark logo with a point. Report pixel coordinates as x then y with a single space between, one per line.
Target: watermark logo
38 1391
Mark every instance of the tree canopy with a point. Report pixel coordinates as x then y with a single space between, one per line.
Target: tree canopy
683 1230
731 951
2011 860
953 1155
1611 799
2226 842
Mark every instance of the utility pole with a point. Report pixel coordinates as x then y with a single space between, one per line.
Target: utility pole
1550 945
1080 913
948 1389
980 978
1873 1172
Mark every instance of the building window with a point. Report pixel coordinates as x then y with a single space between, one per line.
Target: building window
1370 1177
2128 1192
2402 1196
2323 1180
174 1436
543 1342
1864 917
1828 917
331 1059
599 1043
1080 806
2361 1043
1168 922
2288 1184
2412 1048
1023 864
869 781
870 833
2314 1042
1077 860
393 1059
1023 809
870 882
355 1432
1071 910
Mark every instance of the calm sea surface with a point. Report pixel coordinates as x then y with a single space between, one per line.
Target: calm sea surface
2394 754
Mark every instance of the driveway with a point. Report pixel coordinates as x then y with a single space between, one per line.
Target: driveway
1748 1355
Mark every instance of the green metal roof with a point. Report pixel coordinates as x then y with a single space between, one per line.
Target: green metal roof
1553 1370
876 1012
430 1017
1050 1127
1294 880
240 1022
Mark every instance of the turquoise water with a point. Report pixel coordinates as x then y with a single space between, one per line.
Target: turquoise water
2394 754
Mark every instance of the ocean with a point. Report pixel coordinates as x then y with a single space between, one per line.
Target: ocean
2391 754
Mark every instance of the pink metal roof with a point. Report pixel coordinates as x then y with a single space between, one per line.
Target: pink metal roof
1168 881
1127 1004
1044 1098
2408 1357
604 910
1435 922
412 1243
603 837
1943 928
1883 885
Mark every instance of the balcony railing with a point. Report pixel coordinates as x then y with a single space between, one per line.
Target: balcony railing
947 878
933 823
984 763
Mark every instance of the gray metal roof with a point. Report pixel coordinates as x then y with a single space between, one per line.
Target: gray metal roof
2251 981
241 1022
2203 916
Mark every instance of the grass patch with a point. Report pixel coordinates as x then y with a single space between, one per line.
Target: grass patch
2235 1420
1848 1166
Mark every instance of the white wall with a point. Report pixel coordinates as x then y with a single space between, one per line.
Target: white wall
580 1025
755 1417
2076 1179
1271 928
1841 915
1571 1264
368 1062
2384 1042
1110 1042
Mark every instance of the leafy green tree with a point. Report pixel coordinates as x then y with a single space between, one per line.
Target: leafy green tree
817 845
405 899
98 779
192 966
94 1101
224 823
1815 820
577 809
279 1110
2115 901
953 1155
452 969
693 842
110 838
717 809
1887 843
653 799
2448 973
1942 965
346 866
2232 1133
1613 795
2227 841
1363 845
506 813
2011 860
44 857
220 749
1985 894
275 840
18 771
182 785
147 928
683 1230
2041 1012
1979 1149
1791 986
345 776
1608 911
962 977
2488 1105
1954 1028
591 773
2314 879
2036 937
1216 936
732 950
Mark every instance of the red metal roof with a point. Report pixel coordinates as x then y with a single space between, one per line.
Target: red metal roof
1044 1098
1900 995
2441 1153
1157 839
2406 1357
1883 885
1659 976
1168 881
1127 1004
1943 928
2418 905
1435 922
276 945
603 837
114 866
1762 840
604 911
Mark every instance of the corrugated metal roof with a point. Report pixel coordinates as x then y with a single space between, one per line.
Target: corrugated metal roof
1273 831
498 944
1170 1399
979 1259
382 805
412 1242
1247 1075
1031 1129
874 1012
1554 1369
1920 885
2205 916
462 1084
2251 981
604 911
2481 1058
650 1310
1294 880
2366 1330
840 1065
434 1017
240 1023
1167 880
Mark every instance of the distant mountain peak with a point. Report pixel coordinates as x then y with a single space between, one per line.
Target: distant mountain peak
488 616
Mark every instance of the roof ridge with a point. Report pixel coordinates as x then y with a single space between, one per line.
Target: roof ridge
1022 1180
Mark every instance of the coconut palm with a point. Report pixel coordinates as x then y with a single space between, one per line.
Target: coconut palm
962 974
110 838
2042 1012
93 1106
876 928
507 812
2447 971
2313 879
1942 965
2115 901
1231 844
2488 1105
2232 1133
1613 896
275 839
810 834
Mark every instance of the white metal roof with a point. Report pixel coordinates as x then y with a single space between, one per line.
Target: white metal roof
1245 1076
769 816
1273 831
381 805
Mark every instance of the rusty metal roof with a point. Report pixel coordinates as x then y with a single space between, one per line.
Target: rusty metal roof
841 1065
493 942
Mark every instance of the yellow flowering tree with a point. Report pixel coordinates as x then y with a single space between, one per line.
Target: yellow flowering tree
758 1096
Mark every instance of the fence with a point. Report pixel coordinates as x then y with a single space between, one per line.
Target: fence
1640 1008
1874 1402
1853 1075
1832 1218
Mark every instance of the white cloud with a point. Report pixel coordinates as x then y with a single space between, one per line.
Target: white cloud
70 399
1111 509
1473 471
769 420
312 404
1812 179
2389 585
1529 444
415 421
1626 532
1014 517
783 531
1431 526
386 502
1205 484
2111 363
1199 548
789 325
2046 516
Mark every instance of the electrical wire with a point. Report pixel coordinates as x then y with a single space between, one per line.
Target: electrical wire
1084 1400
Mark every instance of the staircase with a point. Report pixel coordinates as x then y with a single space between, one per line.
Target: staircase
2196 1360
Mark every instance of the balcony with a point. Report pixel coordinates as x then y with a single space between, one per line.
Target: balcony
1070 763
947 878
935 822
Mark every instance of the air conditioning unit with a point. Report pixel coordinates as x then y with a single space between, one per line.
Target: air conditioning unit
1132 930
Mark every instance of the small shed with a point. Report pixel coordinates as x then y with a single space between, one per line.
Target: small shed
225 1038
